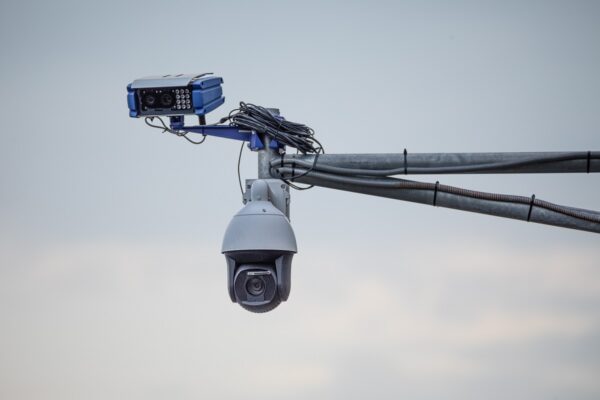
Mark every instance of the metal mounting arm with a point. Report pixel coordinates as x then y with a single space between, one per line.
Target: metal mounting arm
255 141
372 174
460 163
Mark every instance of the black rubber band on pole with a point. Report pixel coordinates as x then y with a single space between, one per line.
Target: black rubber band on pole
405 162
589 161
293 170
282 154
435 192
530 207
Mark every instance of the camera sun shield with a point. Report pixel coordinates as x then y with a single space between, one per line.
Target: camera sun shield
174 95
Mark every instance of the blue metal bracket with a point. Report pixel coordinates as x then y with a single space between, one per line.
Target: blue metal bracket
224 131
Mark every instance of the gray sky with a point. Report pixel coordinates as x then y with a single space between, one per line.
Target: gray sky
111 280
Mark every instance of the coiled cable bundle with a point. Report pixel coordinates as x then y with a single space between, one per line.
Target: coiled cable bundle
268 122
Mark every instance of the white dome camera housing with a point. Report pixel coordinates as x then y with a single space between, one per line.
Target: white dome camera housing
259 244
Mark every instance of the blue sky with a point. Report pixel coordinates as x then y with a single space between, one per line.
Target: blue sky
112 284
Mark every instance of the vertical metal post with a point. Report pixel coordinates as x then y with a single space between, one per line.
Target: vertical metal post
265 156
279 192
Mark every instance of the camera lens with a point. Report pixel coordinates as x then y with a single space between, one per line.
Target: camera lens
149 100
255 286
166 100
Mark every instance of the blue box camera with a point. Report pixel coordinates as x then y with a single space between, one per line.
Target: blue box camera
174 95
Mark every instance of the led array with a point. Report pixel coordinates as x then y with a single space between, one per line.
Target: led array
182 98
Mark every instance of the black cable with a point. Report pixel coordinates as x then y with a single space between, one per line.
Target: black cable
193 142
165 128
288 181
402 184
238 168
265 121
489 167
287 133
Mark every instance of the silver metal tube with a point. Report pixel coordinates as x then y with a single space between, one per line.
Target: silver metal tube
430 161
448 200
264 158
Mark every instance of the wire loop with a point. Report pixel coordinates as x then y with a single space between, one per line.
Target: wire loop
287 133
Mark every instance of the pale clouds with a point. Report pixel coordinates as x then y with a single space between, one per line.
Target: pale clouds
111 281
139 318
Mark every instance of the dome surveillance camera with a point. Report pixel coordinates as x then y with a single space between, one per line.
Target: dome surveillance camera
259 244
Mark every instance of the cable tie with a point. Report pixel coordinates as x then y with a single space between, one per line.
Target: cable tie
435 192
405 162
282 154
530 207
589 160
293 170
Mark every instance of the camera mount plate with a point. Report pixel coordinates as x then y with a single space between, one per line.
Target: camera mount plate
227 132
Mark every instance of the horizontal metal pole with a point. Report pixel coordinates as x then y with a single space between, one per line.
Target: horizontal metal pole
443 163
521 212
